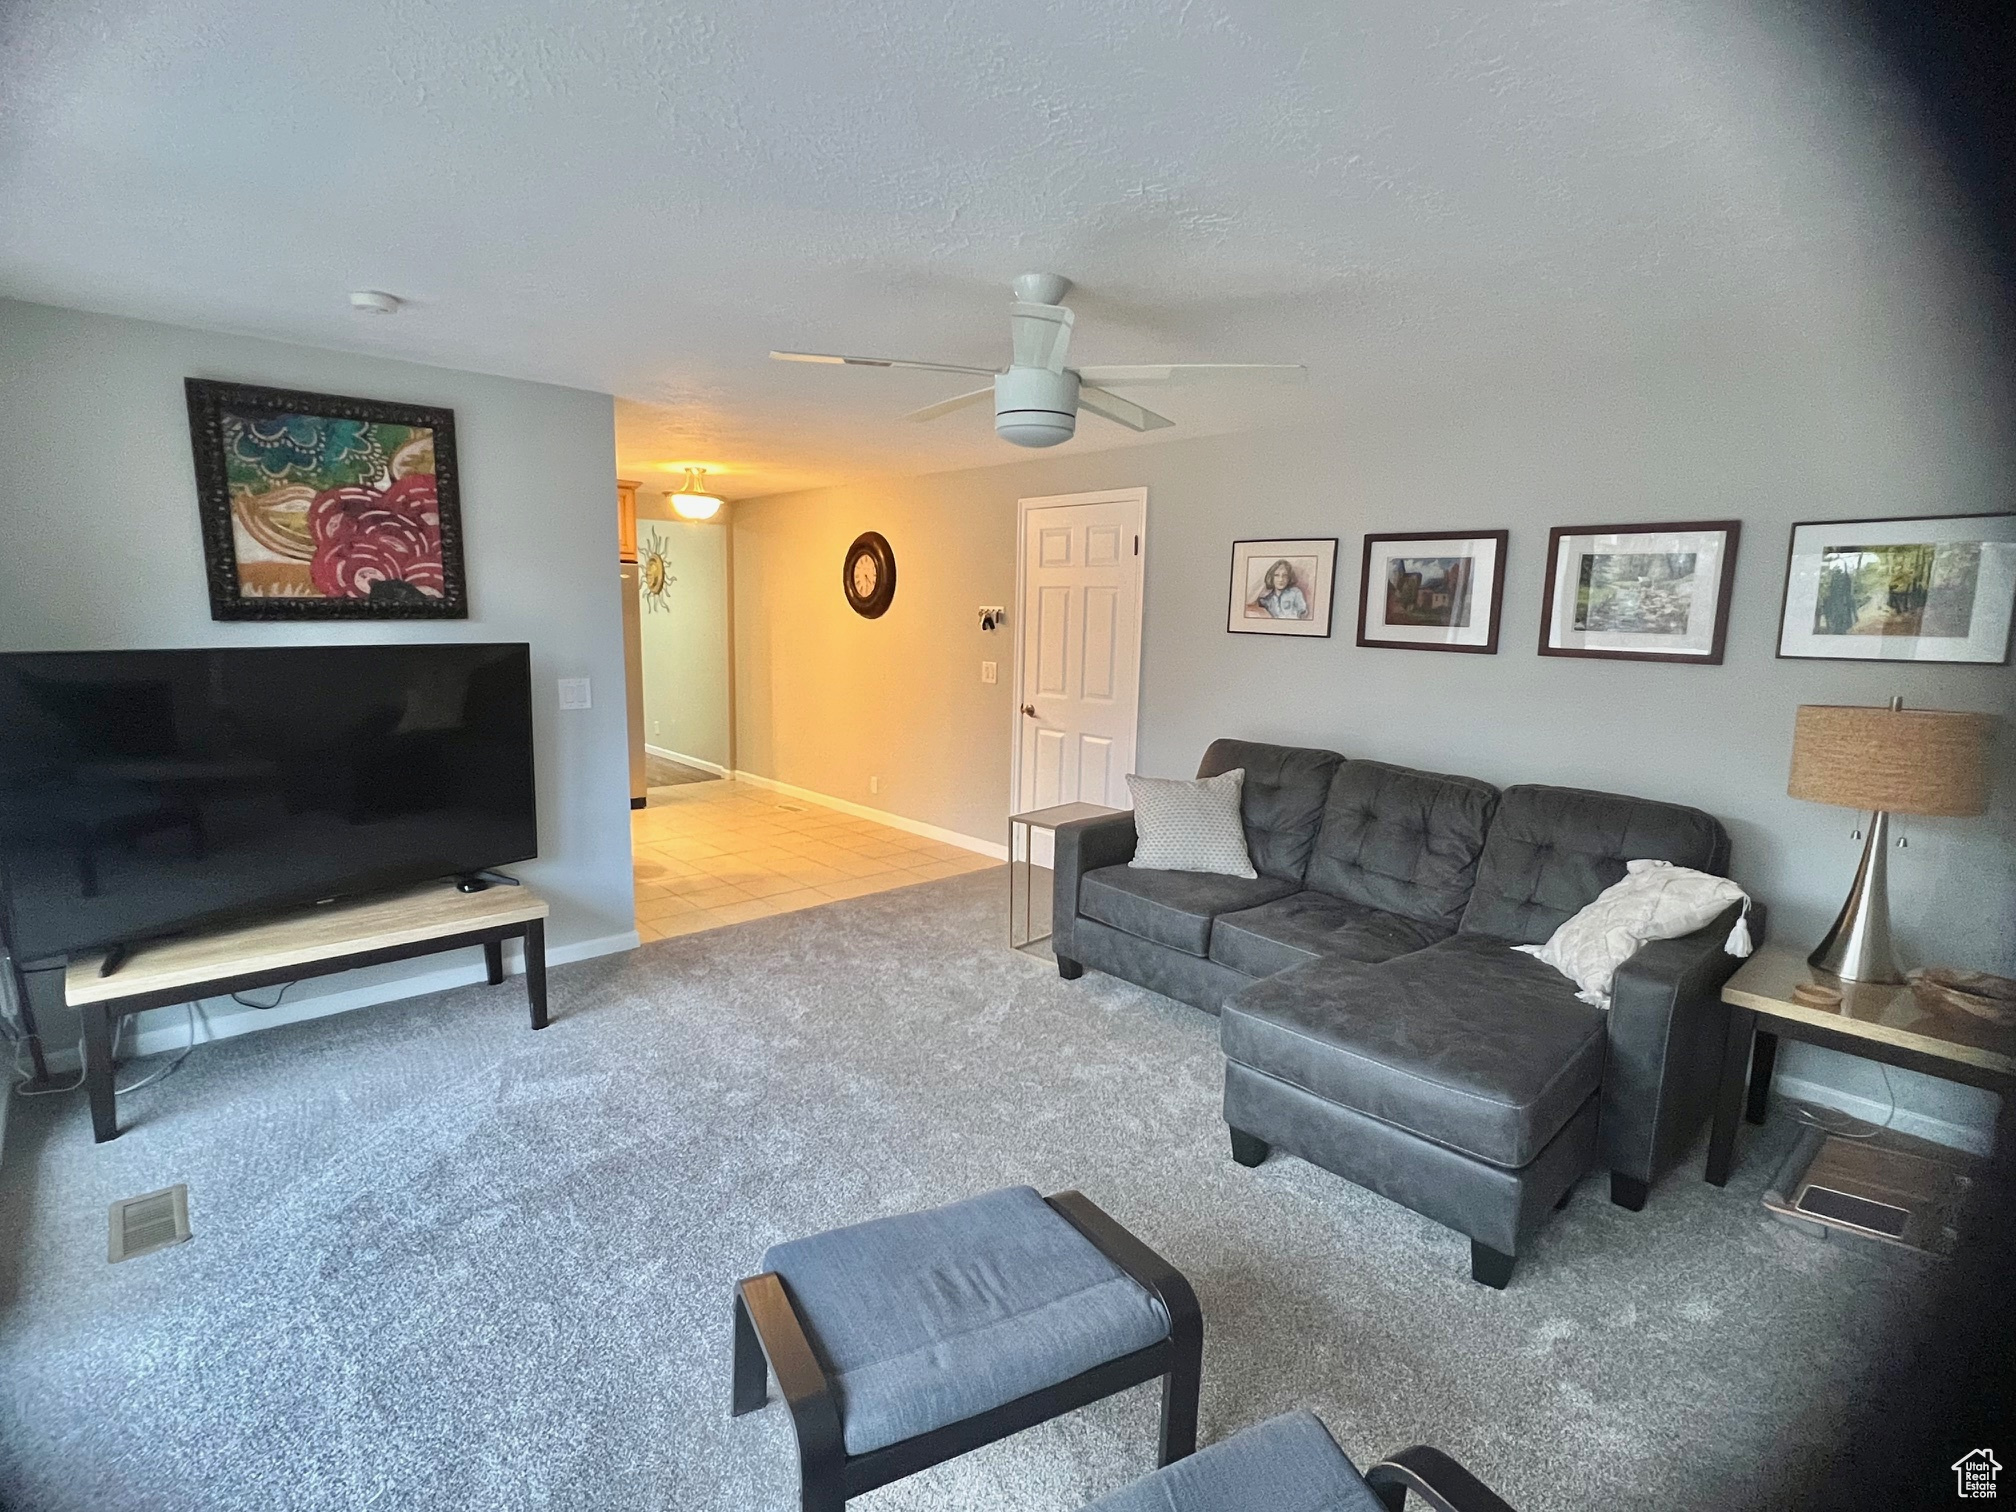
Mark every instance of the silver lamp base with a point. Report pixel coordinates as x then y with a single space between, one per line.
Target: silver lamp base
1857 948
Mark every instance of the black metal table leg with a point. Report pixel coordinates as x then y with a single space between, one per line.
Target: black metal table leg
1729 1096
493 960
98 1072
1763 1059
535 970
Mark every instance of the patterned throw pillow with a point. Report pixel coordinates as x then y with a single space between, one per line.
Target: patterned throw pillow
1656 901
1190 826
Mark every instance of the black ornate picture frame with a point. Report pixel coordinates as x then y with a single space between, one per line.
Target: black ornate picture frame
325 507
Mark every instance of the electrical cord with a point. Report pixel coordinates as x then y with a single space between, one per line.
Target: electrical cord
1856 1128
285 988
160 1071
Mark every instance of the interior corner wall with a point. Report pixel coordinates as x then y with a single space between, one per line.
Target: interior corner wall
1768 432
685 636
99 548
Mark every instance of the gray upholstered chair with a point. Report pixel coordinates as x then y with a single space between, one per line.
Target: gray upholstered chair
1291 1464
907 1341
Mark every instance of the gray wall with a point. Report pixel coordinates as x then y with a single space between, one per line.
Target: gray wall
685 642
99 548
1786 429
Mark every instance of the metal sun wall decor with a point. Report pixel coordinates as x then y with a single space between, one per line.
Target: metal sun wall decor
654 578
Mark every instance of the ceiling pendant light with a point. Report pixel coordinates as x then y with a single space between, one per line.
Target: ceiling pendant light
690 501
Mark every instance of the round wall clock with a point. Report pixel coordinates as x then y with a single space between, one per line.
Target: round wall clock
868 575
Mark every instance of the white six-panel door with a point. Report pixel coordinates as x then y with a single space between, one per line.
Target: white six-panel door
1079 662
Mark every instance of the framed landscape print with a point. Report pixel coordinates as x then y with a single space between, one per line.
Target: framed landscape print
1940 588
1639 592
1282 587
318 507
1433 590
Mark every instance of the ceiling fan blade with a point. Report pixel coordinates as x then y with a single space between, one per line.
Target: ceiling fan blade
882 362
1196 372
1042 334
1122 411
946 406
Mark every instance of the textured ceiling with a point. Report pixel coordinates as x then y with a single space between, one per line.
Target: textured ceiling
643 198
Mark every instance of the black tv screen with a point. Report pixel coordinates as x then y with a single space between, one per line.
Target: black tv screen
143 793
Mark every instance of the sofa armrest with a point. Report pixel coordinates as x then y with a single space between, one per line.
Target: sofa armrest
1666 1029
1082 846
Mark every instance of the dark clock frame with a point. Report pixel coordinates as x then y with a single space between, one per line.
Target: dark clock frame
873 544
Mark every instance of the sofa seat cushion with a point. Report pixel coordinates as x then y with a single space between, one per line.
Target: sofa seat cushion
1467 1043
1172 908
926 1318
1307 926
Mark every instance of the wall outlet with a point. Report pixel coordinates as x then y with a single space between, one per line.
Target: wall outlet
576 693
874 784
989 672
657 727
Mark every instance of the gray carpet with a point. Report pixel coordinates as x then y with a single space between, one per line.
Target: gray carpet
441 1262
662 771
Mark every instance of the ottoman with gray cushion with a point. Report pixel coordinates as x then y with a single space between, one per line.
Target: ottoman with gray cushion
1291 1464
906 1341
1376 1019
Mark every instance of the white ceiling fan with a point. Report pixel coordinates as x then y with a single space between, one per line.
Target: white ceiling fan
1036 397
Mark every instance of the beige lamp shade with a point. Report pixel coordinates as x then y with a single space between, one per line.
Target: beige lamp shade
1902 761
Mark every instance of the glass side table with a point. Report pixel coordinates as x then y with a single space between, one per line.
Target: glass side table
1024 827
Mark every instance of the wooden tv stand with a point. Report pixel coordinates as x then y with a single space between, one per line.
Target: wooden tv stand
311 942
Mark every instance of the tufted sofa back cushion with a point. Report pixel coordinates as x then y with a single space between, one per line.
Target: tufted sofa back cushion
1283 799
1403 841
1551 850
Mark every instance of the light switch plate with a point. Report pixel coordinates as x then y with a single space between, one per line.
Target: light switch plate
576 693
988 672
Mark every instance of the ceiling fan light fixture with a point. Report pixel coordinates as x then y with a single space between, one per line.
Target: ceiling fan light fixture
692 502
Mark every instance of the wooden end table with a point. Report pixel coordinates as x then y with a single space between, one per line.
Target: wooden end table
313 942
1886 1024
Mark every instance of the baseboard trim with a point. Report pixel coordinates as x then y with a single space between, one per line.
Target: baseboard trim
1975 1141
881 816
169 1033
684 760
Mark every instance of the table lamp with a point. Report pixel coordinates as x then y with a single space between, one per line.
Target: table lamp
1887 761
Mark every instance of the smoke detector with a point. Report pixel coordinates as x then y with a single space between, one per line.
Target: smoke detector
375 302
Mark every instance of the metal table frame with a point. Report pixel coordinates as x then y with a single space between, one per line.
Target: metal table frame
1047 819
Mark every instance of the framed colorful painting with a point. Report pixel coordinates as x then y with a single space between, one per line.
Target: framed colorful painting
319 507
1282 587
1640 592
1434 590
1937 588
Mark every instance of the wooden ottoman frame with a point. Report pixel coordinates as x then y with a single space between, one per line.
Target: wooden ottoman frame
769 1330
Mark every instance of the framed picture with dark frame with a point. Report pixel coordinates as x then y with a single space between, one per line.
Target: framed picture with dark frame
1433 590
323 507
1929 588
1282 587
1640 592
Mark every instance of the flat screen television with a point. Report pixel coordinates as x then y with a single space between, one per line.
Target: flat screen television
147 793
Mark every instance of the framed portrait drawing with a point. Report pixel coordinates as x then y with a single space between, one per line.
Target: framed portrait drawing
320 507
1940 588
1437 590
1639 592
1282 587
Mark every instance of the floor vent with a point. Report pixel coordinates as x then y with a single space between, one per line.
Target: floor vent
141 1225
792 808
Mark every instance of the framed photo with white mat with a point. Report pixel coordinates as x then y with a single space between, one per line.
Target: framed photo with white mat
1282 587
1935 588
1433 590
1640 592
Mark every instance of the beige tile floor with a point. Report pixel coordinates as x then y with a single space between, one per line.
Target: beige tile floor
713 853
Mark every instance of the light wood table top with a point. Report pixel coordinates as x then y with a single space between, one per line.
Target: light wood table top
433 910
1882 1015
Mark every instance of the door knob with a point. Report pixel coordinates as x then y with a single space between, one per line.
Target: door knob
1030 710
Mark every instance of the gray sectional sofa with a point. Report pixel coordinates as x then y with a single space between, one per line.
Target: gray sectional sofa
1374 1017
